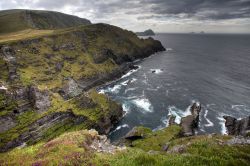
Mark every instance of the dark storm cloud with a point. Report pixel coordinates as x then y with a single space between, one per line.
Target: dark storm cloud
200 9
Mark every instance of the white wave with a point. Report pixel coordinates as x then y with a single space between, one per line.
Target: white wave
131 97
240 108
129 89
145 79
172 110
209 123
156 71
151 89
222 123
3 87
144 104
119 128
178 113
125 108
125 83
130 72
115 89
169 49
167 92
202 130
133 80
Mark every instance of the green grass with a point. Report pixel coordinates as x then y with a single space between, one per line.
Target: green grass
156 140
73 149
18 20
12 22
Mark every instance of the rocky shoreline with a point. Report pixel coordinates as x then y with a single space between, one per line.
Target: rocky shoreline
66 104
239 129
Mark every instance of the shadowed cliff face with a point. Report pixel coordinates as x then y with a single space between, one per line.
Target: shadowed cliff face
46 82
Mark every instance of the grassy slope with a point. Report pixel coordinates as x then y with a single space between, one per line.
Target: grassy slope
72 149
11 21
19 20
23 34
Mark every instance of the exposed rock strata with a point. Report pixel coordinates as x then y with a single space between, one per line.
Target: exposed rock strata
36 130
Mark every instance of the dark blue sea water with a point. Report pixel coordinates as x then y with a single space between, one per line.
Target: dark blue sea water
211 69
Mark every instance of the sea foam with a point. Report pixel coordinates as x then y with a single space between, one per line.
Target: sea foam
144 104
130 72
222 123
119 128
209 123
156 71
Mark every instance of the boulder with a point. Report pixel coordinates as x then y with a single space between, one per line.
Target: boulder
178 149
40 99
237 127
191 122
239 140
171 120
9 56
70 89
6 123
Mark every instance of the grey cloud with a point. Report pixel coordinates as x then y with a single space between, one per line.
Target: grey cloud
123 12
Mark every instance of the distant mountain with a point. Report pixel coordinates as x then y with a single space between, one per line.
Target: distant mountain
148 32
19 19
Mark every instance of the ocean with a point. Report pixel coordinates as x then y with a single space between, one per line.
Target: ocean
213 69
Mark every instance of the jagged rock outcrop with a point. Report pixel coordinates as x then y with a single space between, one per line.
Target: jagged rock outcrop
8 54
171 120
191 122
237 127
101 143
40 99
6 123
70 88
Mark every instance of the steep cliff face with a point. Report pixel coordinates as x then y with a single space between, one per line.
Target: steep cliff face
46 81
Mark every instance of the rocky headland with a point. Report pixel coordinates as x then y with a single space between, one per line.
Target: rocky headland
51 113
48 83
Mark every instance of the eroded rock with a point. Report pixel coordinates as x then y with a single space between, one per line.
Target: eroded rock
171 120
40 99
237 127
191 122
239 140
8 54
70 89
6 123
101 143
178 149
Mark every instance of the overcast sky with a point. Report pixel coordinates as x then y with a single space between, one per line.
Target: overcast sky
227 16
